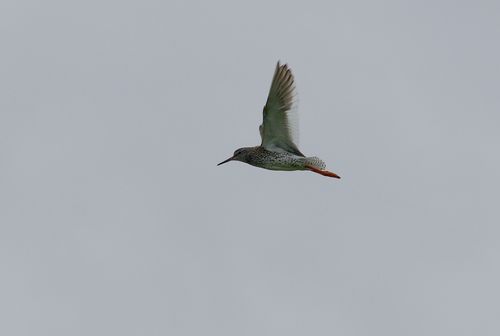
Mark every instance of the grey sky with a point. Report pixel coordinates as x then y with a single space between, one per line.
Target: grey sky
115 219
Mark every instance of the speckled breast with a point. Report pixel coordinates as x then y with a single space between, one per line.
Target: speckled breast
275 160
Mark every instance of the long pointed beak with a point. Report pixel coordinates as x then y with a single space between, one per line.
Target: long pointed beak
226 161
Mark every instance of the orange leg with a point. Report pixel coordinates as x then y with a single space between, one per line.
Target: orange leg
322 172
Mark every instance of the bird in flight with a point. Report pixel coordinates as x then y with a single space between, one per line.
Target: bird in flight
279 132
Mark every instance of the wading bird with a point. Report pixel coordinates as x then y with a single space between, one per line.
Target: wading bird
279 132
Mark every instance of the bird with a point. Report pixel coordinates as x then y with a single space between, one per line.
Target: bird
279 132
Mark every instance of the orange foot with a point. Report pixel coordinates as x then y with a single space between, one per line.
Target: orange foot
322 172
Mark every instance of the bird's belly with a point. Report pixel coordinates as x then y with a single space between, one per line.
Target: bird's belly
279 161
281 167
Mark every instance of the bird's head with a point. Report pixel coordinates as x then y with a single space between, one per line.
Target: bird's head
239 155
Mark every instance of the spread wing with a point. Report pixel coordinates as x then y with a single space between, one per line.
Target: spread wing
279 129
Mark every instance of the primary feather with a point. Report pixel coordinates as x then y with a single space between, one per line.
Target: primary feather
279 129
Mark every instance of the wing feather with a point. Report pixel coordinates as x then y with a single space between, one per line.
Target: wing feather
279 129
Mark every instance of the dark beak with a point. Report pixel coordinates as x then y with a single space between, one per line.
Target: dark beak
226 160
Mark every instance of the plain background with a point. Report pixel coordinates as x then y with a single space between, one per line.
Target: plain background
115 219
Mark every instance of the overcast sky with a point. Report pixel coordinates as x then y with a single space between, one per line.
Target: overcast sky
115 219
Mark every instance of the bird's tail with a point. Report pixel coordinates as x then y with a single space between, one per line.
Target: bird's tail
315 162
